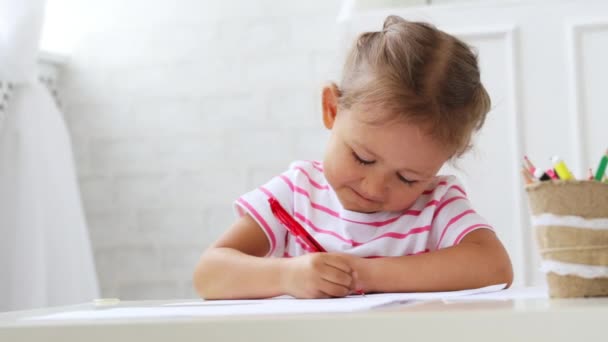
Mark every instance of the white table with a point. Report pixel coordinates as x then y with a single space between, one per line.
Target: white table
471 320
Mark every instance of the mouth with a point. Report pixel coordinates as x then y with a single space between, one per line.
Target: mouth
355 201
366 199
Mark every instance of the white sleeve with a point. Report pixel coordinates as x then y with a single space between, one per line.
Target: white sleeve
454 218
255 203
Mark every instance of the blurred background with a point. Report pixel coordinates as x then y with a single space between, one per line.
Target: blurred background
172 109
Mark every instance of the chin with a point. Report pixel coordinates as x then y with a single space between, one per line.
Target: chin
352 206
359 210
366 211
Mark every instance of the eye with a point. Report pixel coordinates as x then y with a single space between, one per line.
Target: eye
406 181
361 160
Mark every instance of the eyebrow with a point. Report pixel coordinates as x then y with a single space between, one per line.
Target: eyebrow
418 173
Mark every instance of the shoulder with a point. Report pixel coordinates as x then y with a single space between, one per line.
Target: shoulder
444 187
309 172
310 167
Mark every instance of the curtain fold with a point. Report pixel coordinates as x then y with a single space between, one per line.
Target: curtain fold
45 252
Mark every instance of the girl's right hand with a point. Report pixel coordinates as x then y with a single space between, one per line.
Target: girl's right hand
318 275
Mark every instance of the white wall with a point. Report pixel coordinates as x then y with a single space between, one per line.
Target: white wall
177 107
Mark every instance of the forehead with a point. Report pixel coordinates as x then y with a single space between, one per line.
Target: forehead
396 142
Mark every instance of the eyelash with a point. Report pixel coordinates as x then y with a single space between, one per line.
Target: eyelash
361 160
368 162
405 180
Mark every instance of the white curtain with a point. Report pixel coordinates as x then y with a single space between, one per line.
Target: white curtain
45 251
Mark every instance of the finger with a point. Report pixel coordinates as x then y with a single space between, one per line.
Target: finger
333 289
336 276
338 262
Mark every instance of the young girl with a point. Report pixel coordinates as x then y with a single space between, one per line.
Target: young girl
409 100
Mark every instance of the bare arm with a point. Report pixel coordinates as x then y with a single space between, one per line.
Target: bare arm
235 267
479 260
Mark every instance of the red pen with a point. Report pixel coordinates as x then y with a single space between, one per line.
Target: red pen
295 228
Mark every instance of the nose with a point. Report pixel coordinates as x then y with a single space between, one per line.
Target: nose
374 187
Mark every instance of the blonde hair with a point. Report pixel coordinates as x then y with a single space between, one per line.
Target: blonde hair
414 71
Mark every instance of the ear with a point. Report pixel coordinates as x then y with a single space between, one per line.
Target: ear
329 100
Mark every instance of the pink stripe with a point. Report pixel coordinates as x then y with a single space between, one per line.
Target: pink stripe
302 244
428 192
273 241
456 187
374 224
401 236
267 192
312 182
464 232
459 189
317 165
354 243
448 201
452 220
381 256
287 255
288 181
320 230
297 189
430 203
419 252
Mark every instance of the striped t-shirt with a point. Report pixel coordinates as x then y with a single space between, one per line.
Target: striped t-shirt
439 218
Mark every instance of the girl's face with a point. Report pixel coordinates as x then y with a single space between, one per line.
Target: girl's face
379 167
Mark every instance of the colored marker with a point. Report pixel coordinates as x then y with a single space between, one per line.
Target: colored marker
528 179
552 174
540 175
601 169
528 164
590 175
561 169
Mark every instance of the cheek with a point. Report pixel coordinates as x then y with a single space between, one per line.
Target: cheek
339 169
404 197
329 164
337 173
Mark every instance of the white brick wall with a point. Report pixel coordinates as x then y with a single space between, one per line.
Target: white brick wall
177 107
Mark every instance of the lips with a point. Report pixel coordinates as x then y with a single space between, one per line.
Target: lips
362 204
364 197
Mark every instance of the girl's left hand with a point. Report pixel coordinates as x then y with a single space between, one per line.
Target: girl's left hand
357 264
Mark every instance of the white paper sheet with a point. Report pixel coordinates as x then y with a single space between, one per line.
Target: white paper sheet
274 306
538 292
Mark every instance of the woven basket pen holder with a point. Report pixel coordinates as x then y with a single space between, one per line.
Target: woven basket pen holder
570 219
